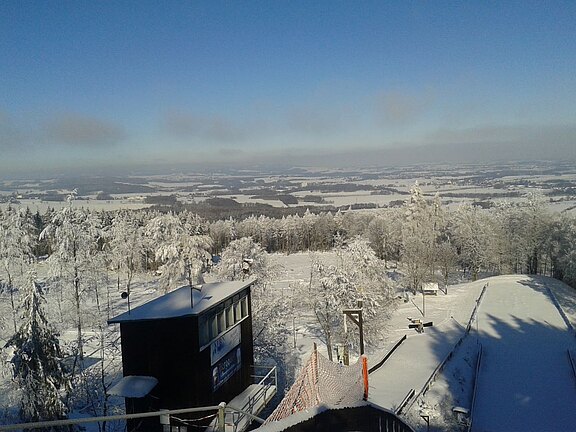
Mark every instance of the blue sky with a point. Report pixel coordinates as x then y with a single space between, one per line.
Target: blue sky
129 83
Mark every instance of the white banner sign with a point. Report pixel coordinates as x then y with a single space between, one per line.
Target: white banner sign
224 344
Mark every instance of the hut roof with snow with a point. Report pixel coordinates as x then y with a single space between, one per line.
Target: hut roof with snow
184 301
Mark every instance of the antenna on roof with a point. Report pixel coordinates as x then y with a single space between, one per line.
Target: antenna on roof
197 287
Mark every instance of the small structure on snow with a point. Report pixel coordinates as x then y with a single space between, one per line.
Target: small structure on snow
430 288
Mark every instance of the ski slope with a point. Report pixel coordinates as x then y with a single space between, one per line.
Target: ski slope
526 382
415 360
412 364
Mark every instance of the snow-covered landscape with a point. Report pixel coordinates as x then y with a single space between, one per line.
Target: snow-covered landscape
97 264
327 189
304 215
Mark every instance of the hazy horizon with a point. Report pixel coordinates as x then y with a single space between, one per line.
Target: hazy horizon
95 87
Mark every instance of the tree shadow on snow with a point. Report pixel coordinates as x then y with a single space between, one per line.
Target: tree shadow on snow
526 381
562 295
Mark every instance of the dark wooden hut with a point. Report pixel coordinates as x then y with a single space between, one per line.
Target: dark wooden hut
189 348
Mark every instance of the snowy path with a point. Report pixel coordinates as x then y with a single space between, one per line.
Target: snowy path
412 364
417 358
526 382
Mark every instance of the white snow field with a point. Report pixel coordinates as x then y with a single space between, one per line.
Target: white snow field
526 382
412 364
415 360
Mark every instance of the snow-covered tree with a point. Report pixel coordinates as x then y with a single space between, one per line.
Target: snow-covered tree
384 234
446 259
126 246
182 250
473 237
328 292
37 361
16 244
536 225
418 239
509 241
562 239
242 259
376 291
358 275
222 232
75 237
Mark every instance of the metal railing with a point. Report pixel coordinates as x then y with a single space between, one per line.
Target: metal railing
475 311
220 410
560 310
68 422
266 389
404 402
440 367
387 356
572 363
475 389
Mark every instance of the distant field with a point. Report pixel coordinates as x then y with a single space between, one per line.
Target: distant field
42 206
374 187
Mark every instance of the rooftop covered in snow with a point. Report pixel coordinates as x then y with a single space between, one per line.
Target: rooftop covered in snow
178 303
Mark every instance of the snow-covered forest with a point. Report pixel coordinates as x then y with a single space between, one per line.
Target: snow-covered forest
62 274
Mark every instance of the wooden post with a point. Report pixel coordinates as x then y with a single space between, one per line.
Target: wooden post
423 302
315 363
361 326
346 351
355 316
315 372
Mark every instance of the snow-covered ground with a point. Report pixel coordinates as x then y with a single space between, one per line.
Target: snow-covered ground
415 360
519 304
36 205
526 382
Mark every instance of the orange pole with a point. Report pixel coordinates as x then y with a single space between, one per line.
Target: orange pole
365 375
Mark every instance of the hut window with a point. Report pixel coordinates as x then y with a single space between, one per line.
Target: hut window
221 322
204 331
229 317
244 306
213 327
237 312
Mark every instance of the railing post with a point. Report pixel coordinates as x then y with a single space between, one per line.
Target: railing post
222 417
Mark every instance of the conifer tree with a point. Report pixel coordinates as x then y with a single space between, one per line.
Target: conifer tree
75 241
37 361
180 248
16 243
